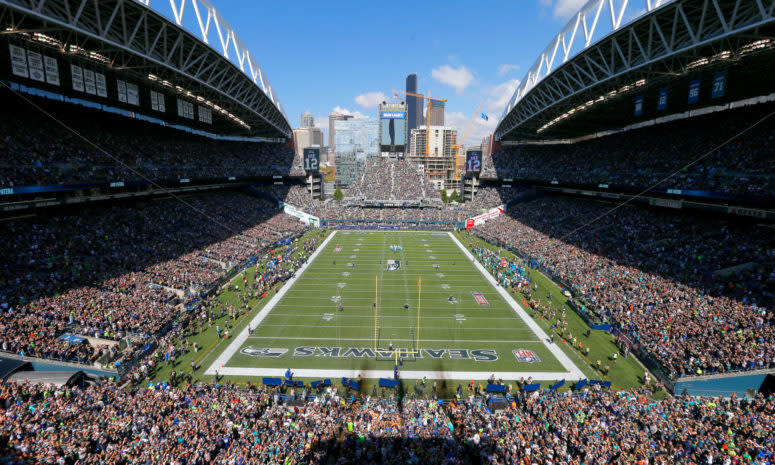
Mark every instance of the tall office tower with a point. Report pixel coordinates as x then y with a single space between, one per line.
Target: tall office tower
332 130
437 113
307 120
307 137
414 104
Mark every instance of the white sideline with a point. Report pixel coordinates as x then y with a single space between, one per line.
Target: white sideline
243 335
373 374
573 370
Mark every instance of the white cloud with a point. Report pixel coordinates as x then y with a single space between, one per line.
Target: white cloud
504 69
459 78
564 9
370 100
345 111
499 96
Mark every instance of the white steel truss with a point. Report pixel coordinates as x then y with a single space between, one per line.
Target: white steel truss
568 43
207 16
660 30
139 39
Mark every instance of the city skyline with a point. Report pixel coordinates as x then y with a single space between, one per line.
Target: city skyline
468 58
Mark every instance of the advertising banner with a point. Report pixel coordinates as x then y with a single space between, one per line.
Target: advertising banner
303 217
481 219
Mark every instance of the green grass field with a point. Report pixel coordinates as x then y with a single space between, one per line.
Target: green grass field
444 332
625 374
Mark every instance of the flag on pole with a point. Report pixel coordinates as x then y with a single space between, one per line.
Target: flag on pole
419 280
485 117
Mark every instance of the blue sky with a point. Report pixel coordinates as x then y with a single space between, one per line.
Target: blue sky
344 55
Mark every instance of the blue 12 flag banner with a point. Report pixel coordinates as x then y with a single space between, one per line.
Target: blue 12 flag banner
473 161
311 160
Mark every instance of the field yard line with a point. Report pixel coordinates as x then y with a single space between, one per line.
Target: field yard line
294 338
371 317
337 277
380 231
497 328
243 335
553 348
373 374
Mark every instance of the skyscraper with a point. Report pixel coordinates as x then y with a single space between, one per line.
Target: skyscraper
414 104
332 130
437 113
307 137
307 120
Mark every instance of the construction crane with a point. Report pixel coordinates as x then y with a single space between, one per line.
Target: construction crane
427 115
456 147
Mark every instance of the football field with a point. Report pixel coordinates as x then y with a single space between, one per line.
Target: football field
367 299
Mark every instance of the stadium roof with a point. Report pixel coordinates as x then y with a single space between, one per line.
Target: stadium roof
589 77
58 378
9 366
129 37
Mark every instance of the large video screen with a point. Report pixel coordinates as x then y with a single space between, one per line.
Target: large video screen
393 130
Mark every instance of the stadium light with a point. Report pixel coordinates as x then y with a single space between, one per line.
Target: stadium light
589 103
199 99
756 45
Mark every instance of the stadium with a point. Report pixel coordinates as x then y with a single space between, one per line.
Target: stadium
181 284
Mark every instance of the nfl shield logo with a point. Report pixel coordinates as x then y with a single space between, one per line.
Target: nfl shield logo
526 356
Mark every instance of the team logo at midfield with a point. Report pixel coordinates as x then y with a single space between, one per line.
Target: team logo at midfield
263 351
393 265
526 356
476 355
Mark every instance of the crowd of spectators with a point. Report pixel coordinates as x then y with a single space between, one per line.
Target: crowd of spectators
697 292
392 179
640 158
618 427
453 212
278 265
214 423
38 151
219 423
113 271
